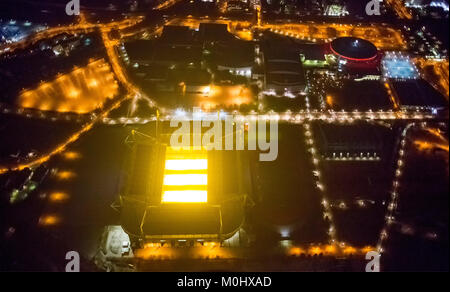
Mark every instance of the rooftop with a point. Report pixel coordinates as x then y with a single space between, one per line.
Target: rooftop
354 48
359 95
418 93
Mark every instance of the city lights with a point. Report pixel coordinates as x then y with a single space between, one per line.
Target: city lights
61 95
384 38
361 115
49 220
58 197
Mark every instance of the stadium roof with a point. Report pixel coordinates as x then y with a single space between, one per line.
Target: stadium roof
359 95
177 35
214 32
354 49
182 194
418 93
236 53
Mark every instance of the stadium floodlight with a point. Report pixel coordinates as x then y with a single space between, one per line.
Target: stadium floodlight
185 176
185 179
186 164
185 196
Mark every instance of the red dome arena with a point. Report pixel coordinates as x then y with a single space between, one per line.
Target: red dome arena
354 49
355 55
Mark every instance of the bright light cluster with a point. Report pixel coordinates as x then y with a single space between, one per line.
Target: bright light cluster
185 176
399 66
81 91
383 37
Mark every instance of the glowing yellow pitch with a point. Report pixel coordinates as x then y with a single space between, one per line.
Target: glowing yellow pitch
187 196
185 177
187 164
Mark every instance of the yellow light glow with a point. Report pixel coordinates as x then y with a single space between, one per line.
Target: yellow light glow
315 250
185 180
74 93
49 220
93 83
331 249
187 196
350 250
58 197
65 175
187 164
385 38
185 176
296 251
206 90
70 155
367 249
80 91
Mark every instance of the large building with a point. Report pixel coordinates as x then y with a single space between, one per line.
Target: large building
178 196
185 56
237 57
355 55
418 94
357 142
284 74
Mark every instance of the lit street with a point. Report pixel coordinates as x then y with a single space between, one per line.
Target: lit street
232 136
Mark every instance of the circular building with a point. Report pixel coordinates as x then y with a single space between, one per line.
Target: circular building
354 49
355 56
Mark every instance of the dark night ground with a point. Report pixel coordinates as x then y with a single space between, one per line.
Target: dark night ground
97 182
98 178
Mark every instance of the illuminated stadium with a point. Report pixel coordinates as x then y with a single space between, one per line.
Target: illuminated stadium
354 49
180 196
355 54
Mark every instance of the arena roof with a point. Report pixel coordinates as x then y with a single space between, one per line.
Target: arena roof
354 49
180 194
